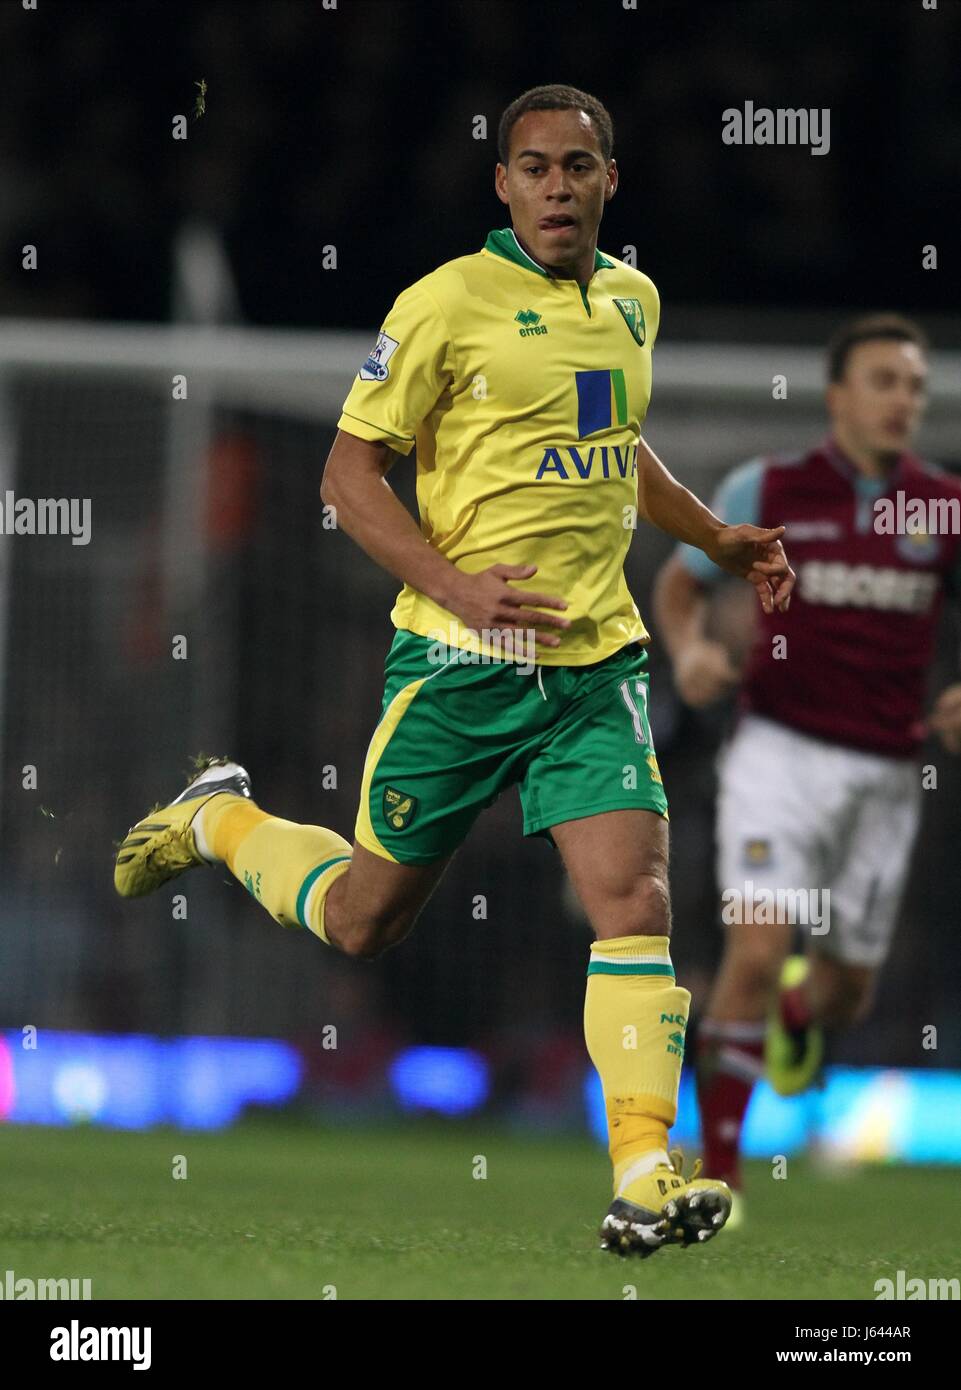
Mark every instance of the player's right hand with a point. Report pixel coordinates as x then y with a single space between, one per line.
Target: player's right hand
487 600
703 672
757 555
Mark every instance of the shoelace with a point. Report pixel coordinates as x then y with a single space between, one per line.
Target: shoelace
677 1164
173 851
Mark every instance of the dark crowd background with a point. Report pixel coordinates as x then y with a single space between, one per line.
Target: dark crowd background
352 128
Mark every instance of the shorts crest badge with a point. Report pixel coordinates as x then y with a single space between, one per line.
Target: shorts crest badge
921 547
399 808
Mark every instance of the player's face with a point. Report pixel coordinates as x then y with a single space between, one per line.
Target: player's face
881 398
556 182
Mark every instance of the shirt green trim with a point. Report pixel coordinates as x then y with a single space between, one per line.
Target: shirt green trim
408 439
504 243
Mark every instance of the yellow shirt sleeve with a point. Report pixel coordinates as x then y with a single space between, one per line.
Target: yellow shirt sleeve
409 367
652 312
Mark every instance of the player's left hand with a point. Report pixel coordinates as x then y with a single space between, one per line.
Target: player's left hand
945 718
757 555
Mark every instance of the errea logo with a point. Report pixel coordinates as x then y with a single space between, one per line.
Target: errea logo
530 323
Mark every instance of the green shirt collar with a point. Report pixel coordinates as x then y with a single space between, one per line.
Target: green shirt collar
504 243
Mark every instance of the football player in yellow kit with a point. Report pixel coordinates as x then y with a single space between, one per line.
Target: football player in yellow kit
521 373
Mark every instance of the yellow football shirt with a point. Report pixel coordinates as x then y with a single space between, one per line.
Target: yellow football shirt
524 394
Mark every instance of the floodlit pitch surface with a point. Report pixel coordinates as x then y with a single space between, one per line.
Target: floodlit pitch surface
277 1209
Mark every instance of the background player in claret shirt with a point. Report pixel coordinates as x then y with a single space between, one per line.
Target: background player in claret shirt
522 373
835 725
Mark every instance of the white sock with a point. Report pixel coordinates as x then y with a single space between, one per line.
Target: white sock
200 839
640 1167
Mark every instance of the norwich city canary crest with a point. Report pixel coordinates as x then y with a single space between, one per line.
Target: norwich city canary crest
634 318
399 808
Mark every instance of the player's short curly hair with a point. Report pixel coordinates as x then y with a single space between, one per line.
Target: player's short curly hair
556 97
868 329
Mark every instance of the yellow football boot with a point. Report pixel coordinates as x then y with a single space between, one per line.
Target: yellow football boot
737 1218
663 1207
792 1058
162 845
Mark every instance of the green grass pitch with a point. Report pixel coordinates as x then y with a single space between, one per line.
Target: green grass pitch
279 1209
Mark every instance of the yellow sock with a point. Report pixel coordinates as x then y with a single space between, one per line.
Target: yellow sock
287 867
635 1018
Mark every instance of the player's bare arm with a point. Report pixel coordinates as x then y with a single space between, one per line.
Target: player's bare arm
750 552
945 718
369 511
703 669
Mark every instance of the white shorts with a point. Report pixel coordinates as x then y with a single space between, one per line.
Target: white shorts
798 816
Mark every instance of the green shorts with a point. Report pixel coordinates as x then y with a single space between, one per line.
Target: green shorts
455 731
